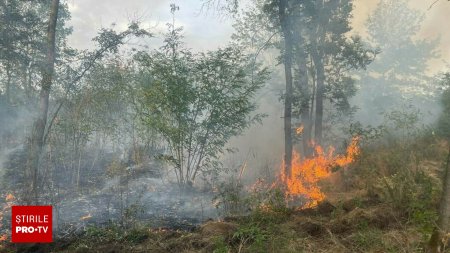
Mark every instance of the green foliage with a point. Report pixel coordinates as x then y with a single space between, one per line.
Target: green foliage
252 237
403 122
220 245
197 102
260 201
265 198
131 215
366 133
107 234
396 169
114 233
22 51
367 239
136 235
230 198
414 193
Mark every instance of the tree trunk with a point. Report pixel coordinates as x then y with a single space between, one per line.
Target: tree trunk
304 100
303 88
435 244
37 140
282 5
318 56
320 91
8 84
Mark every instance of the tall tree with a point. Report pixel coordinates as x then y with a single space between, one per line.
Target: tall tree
284 19
37 139
313 41
399 74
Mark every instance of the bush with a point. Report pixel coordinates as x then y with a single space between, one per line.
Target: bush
230 199
252 237
399 167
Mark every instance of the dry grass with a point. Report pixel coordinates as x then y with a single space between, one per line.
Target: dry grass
357 217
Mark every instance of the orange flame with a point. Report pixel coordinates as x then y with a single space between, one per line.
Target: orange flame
10 197
299 130
86 217
9 202
305 174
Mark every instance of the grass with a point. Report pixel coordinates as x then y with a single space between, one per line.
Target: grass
387 203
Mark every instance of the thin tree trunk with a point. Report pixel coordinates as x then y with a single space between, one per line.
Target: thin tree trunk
8 84
318 56
312 97
24 80
305 99
282 5
37 140
320 91
435 244
303 88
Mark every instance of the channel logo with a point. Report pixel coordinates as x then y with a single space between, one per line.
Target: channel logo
31 224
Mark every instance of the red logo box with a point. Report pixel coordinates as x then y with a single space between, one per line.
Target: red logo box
31 224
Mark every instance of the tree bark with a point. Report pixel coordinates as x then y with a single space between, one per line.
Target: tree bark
304 99
8 84
318 126
318 56
285 27
303 88
435 244
37 139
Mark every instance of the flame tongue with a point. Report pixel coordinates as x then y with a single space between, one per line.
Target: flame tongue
9 202
306 173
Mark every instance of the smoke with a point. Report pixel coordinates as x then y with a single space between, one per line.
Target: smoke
150 197
432 27
3 157
144 199
261 146
201 31
14 129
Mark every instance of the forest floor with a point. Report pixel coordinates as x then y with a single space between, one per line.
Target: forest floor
358 224
392 211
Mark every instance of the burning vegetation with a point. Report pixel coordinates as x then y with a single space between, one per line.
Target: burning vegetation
145 142
302 181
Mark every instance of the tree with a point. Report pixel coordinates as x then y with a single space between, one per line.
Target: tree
321 57
37 139
284 19
435 2
22 46
196 102
399 73
333 55
55 54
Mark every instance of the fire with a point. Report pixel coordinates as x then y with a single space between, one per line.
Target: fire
9 202
9 197
299 130
86 217
306 173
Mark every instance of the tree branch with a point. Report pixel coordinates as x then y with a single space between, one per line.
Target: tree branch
435 2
